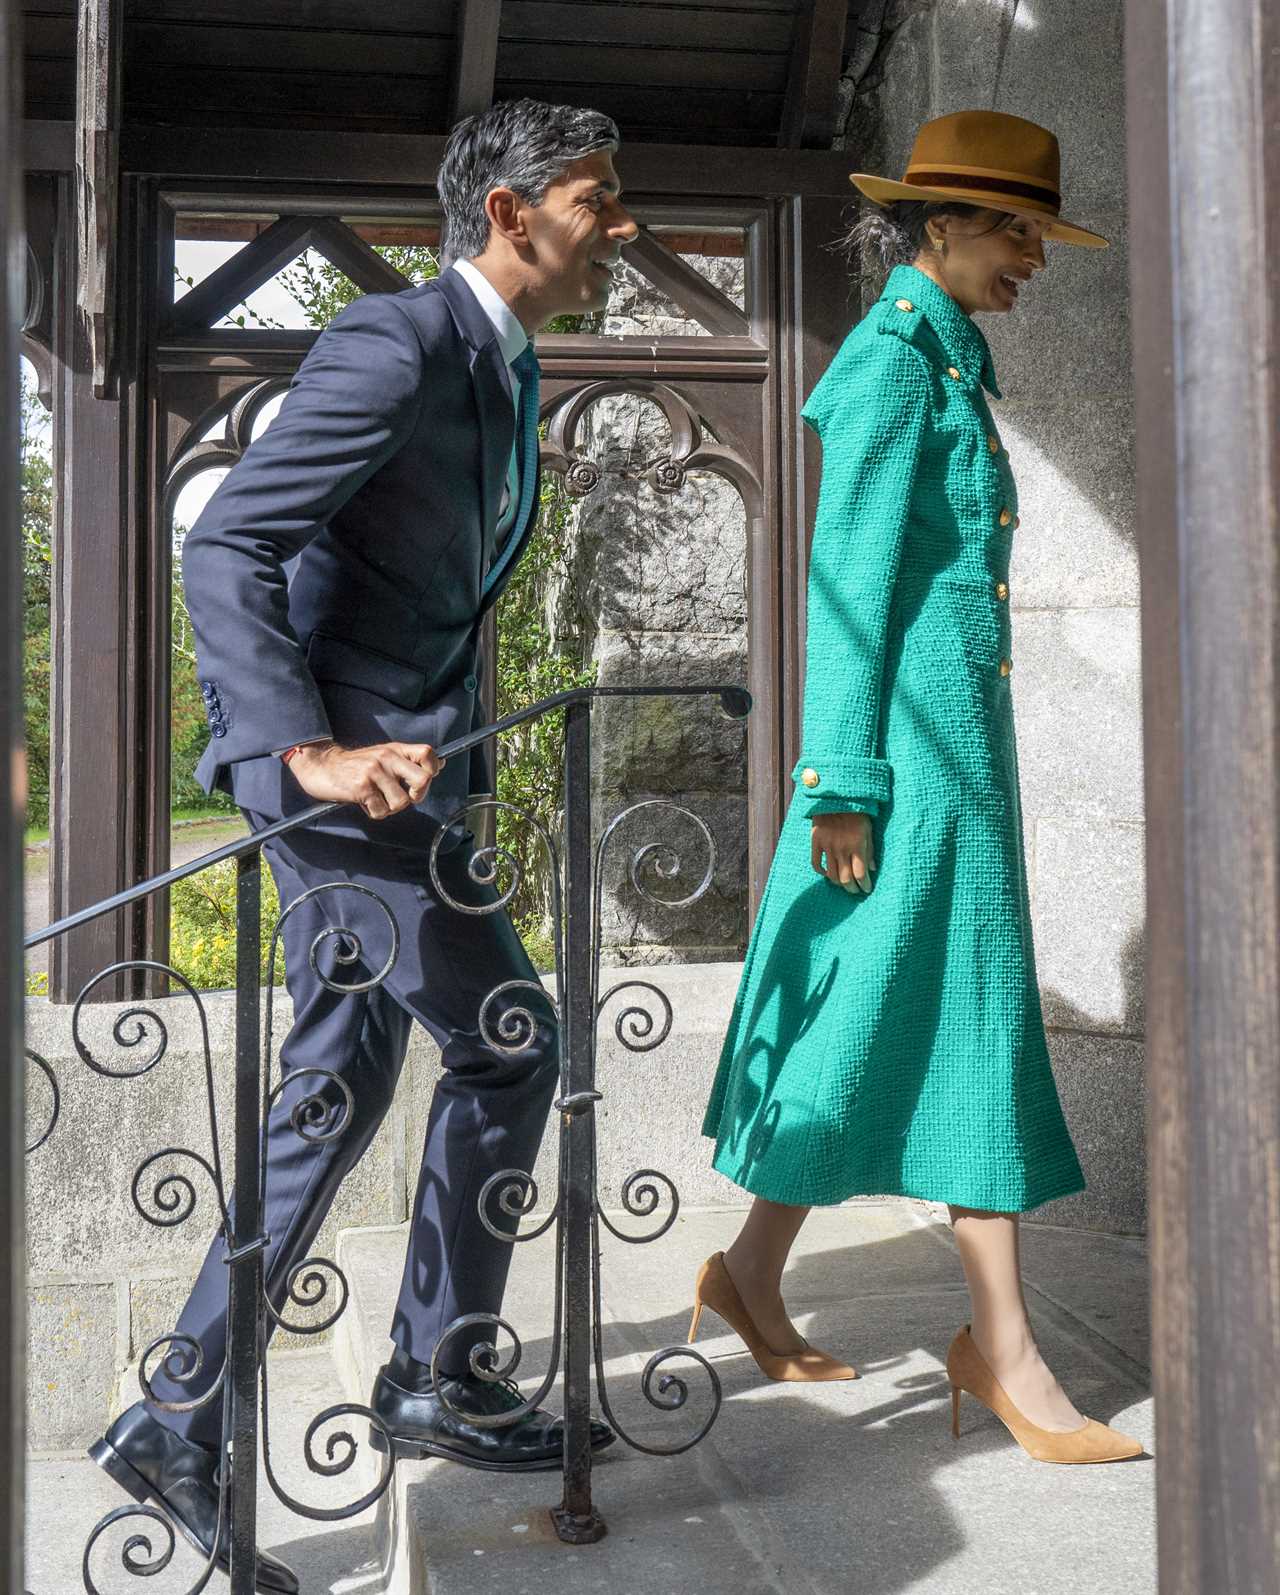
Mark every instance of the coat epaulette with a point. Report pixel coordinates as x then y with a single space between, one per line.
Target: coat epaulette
907 321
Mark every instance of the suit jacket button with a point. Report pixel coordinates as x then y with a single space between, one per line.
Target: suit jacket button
219 730
810 777
470 683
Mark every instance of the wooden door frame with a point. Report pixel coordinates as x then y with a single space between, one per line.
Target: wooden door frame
1203 95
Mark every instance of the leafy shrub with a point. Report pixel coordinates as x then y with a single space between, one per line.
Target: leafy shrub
202 927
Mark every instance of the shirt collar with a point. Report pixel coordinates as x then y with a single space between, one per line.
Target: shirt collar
513 340
963 340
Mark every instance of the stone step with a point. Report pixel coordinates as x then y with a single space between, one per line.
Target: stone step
795 1485
68 1495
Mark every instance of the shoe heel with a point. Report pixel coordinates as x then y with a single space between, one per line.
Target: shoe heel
955 1411
115 1467
406 1450
694 1322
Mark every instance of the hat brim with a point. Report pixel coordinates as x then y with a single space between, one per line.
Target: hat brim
883 191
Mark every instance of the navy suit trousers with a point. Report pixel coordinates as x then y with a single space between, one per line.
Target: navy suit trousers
487 1113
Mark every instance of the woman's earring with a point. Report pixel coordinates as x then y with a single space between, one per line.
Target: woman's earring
938 243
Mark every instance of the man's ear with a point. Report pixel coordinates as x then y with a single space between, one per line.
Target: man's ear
502 206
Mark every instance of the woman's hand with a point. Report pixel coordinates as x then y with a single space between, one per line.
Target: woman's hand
845 839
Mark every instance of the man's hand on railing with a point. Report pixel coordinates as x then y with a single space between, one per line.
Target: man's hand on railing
382 779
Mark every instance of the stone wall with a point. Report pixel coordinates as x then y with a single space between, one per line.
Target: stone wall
1063 362
662 579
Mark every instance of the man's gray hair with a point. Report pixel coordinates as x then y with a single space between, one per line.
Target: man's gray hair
519 144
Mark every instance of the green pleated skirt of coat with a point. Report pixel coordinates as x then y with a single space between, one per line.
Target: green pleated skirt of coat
893 1042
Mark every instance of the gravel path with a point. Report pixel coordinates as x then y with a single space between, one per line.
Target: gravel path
187 840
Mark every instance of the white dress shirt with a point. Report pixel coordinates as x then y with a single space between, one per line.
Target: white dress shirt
513 341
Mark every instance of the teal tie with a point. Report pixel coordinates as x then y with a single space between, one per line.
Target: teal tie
526 367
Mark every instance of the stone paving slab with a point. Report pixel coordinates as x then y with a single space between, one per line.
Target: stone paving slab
798 1490
67 1496
815 1490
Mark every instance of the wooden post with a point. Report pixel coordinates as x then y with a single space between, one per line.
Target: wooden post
1203 101
13 1295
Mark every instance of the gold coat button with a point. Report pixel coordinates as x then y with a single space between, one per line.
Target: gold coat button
1005 517
993 443
904 304
1006 665
1002 590
953 373
810 777
1017 521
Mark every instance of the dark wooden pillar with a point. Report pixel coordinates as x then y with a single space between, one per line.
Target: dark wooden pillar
13 1298
89 762
1204 101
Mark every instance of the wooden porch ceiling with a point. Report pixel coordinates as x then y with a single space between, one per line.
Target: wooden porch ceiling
756 73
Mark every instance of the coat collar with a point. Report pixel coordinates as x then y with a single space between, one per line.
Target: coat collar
962 339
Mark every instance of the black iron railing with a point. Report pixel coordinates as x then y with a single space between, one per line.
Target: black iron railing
576 871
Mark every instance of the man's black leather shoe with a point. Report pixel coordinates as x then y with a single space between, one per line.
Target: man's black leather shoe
422 1426
155 1465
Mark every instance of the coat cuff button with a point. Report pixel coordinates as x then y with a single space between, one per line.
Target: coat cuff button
810 777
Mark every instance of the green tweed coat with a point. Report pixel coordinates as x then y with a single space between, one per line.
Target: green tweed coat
892 1043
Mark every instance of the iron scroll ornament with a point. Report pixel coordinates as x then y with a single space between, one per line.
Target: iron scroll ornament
173 1200
690 450
643 1193
167 1199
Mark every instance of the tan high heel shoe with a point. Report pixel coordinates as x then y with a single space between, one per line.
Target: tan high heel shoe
967 1369
715 1289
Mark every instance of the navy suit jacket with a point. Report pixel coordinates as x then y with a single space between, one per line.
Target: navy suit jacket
336 580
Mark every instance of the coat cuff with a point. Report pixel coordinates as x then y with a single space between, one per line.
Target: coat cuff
835 785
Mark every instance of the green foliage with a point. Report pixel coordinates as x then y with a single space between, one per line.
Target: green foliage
202 927
37 578
188 726
532 664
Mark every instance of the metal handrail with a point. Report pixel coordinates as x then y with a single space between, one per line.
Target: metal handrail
735 702
577 874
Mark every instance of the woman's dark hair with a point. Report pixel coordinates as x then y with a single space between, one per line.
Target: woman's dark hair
893 235
519 144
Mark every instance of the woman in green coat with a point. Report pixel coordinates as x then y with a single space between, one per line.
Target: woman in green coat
887 1036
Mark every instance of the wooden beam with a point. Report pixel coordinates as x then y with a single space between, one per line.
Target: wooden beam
369 270
476 57
1207 369
809 111
48 146
234 155
690 290
244 273
99 67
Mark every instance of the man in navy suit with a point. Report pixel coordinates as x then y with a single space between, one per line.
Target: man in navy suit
336 582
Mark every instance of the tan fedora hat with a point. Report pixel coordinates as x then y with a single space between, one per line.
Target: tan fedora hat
985 158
